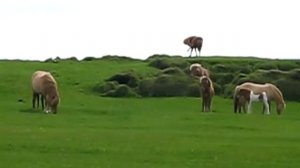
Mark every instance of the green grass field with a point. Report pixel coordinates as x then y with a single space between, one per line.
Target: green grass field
92 131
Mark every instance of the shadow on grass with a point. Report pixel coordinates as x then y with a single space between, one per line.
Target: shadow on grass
30 110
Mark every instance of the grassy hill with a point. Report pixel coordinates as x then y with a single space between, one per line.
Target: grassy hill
94 131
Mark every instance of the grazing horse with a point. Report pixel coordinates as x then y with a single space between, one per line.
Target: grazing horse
198 71
245 96
207 92
271 91
44 85
194 42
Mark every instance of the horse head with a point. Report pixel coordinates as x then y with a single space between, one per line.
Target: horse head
52 100
280 107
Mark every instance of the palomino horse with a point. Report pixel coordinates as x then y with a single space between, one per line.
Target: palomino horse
44 85
245 96
271 91
194 42
207 92
198 70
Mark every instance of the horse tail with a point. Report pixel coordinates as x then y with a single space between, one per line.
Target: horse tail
235 100
235 103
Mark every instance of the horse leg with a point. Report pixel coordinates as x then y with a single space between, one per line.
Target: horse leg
42 101
203 104
34 99
199 48
191 51
209 105
239 108
235 105
249 107
266 105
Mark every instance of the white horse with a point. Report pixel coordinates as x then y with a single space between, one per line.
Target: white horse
259 97
245 96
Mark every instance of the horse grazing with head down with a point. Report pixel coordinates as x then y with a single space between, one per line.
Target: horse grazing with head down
44 85
194 42
207 92
245 96
271 91
198 70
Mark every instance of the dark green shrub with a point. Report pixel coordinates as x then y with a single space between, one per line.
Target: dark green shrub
163 63
168 85
121 91
145 87
229 90
173 71
129 79
266 65
289 89
219 90
223 78
71 59
193 90
295 74
287 65
106 87
89 59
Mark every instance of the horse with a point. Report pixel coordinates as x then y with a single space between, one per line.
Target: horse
271 91
198 71
44 85
207 93
194 42
246 96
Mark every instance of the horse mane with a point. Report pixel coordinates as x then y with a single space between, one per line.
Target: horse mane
278 97
49 84
199 70
210 83
195 65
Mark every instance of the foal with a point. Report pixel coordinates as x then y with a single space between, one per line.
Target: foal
246 96
207 92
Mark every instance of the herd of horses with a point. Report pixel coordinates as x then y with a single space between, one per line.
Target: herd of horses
244 94
45 90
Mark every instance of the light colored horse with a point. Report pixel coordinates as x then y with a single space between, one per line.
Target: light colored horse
207 93
246 96
44 85
271 91
198 70
194 42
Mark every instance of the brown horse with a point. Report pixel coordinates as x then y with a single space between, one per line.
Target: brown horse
44 85
194 42
245 97
198 70
271 91
207 93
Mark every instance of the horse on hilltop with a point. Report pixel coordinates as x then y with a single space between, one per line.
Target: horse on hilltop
271 91
44 86
194 43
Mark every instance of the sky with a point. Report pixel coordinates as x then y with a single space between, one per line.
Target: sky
41 29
